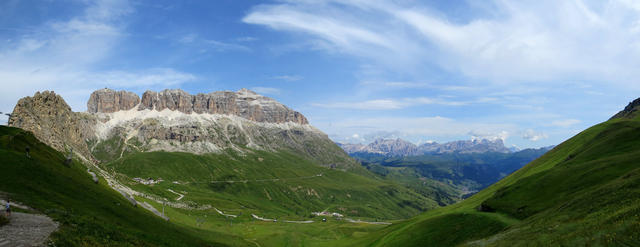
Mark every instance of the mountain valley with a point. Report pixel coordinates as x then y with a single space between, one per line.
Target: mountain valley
265 177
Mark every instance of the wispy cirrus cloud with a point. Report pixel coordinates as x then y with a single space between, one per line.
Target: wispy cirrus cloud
565 122
266 90
63 55
210 45
247 39
532 135
517 41
415 129
288 77
392 104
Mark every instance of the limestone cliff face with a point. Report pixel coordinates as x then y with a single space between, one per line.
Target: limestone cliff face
244 103
118 122
107 100
51 120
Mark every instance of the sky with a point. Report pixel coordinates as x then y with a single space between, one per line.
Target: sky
532 73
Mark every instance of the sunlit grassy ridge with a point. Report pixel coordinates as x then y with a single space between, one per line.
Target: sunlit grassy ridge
90 214
586 191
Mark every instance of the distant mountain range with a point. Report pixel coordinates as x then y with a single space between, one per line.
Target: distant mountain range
399 147
584 192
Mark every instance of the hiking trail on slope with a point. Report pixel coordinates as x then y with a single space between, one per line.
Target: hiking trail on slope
26 230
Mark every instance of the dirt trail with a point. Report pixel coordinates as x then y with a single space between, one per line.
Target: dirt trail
180 196
26 230
261 180
287 221
367 222
227 215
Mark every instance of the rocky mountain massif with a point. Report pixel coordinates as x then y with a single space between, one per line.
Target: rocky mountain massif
117 122
399 147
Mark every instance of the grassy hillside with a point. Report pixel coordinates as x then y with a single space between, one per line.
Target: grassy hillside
585 191
276 184
90 214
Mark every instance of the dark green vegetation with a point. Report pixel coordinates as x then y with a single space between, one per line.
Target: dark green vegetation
584 192
448 177
89 214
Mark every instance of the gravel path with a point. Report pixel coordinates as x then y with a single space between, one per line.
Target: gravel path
367 222
258 180
180 196
26 230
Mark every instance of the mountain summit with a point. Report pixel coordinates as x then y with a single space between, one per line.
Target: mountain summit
400 147
243 103
118 122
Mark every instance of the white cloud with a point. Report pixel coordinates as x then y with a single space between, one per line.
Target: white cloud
223 46
158 77
392 104
247 39
415 129
205 45
565 122
355 138
515 42
266 90
480 135
396 84
379 104
63 56
288 77
188 39
531 135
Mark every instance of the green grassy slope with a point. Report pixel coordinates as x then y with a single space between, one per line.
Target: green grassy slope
586 191
90 214
274 184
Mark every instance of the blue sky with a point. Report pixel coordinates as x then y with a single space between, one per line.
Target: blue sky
533 73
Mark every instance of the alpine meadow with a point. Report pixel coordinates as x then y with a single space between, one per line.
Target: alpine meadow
319 123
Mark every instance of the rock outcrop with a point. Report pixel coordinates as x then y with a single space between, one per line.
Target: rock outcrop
51 120
467 146
244 103
394 147
399 147
630 111
118 122
107 101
